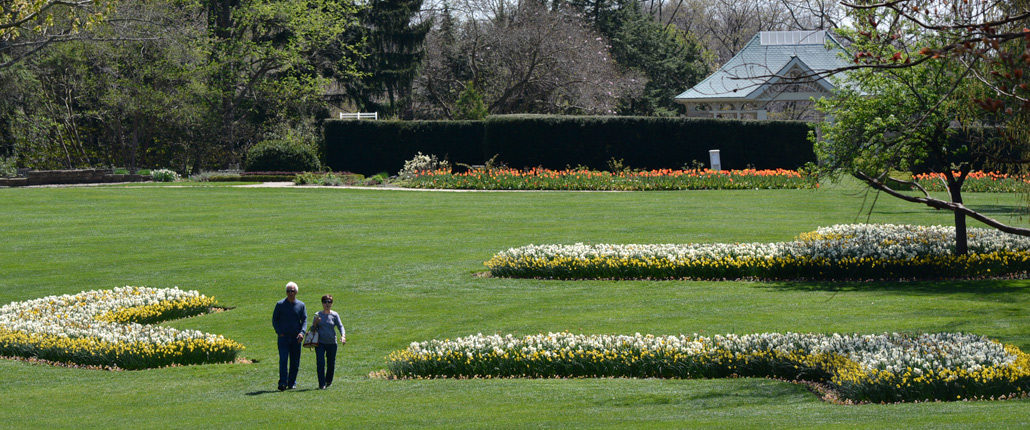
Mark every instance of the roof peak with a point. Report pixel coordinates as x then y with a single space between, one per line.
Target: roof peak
808 37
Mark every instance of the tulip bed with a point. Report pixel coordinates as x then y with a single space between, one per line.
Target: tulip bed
112 328
844 251
978 182
578 179
887 367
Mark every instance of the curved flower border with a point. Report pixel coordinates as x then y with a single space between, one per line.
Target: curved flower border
888 367
844 251
112 328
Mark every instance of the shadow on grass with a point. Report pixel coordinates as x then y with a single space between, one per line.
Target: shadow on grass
994 211
985 287
1002 210
260 392
718 392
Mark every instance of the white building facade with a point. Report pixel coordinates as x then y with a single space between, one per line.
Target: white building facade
774 77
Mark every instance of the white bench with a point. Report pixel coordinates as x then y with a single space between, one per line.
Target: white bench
359 115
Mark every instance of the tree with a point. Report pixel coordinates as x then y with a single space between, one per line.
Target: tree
470 104
26 27
175 83
392 58
525 58
881 122
263 65
937 83
126 92
670 59
725 26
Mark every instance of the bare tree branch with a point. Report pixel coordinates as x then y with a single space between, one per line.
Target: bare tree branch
942 204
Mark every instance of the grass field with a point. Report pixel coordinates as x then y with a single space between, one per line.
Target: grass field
401 266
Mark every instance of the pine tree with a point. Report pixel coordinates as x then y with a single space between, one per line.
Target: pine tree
394 54
470 104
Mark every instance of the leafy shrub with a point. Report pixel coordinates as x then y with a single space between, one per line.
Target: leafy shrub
214 177
164 175
282 155
422 163
306 178
330 179
377 179
8 167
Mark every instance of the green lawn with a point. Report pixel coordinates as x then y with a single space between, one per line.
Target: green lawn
401 266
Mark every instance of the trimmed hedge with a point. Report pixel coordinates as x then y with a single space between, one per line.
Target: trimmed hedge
282 155
557 141
646 142
371 147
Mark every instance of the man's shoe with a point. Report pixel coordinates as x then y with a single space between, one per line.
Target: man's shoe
282 387
329 385
321 387
291 387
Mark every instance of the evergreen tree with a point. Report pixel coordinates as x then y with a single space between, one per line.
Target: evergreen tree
470 104
671 59
393 56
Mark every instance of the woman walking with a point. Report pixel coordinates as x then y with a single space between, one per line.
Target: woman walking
326 322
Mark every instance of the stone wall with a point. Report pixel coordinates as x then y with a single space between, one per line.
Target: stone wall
82 176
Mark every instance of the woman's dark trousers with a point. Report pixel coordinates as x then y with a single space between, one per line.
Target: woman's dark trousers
325 358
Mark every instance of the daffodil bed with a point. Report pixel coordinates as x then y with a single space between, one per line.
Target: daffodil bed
844 251
887 367
112 328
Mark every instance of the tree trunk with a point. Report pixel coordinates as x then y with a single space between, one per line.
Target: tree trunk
961 237
135 144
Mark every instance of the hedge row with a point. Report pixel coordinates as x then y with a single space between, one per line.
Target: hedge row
371 147
559 141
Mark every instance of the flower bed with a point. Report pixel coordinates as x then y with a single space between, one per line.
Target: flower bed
847 251
653 180
978 182
111 328
877 368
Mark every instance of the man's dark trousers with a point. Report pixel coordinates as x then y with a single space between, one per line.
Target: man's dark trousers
289 349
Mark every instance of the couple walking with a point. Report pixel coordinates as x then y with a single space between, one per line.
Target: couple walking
290 320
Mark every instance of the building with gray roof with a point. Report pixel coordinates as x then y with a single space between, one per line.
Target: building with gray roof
764 80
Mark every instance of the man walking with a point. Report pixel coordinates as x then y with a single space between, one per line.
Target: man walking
290 320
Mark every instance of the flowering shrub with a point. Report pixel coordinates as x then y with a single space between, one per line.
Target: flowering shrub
887 367
111 328
422 163
846 251
573 179
979 182
164 175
